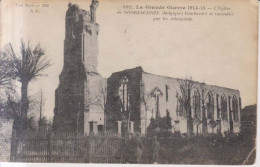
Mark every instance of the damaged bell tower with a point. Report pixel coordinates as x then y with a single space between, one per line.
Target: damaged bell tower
75 110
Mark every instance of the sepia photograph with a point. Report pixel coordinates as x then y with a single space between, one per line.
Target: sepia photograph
128 82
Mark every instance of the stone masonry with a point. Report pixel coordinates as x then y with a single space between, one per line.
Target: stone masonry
214 109
75 110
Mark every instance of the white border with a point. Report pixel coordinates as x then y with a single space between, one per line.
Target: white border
257 162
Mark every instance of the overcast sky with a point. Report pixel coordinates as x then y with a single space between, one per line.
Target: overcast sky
216 50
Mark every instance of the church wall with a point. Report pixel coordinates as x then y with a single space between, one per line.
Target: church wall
216 90
94 94
152 81
90 46
114 99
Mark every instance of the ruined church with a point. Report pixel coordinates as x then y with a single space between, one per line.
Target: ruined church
128 100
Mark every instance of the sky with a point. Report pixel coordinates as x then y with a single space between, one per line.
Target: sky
216 50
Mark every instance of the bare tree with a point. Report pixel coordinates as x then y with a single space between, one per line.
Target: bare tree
147 97
40 103
41 109
13 110
185 100
6 73
26 67
203 107
186 87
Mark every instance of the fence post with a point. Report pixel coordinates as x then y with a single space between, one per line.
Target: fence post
89 149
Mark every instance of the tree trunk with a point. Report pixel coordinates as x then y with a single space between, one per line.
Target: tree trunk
40 118
105 121
15 139
24 106
189 118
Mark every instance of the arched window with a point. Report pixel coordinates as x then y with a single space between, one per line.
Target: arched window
223 107
157 93
196 104
235 108
210 106
123 94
